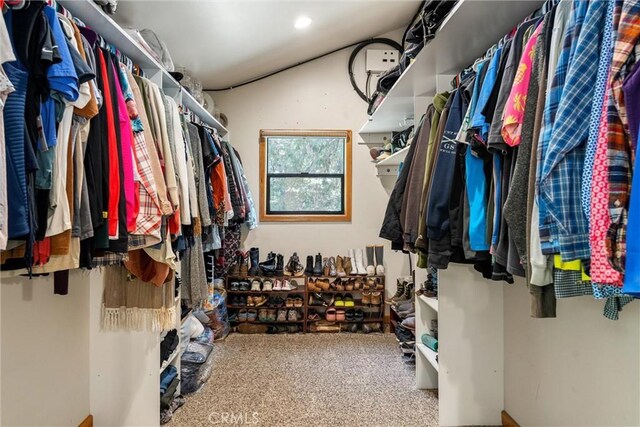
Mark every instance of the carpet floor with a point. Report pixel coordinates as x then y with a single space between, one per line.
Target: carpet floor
309 380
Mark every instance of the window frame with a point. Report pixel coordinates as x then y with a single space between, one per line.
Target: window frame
305 216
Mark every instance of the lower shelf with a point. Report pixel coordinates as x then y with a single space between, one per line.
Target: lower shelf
349 321
269 323
429 354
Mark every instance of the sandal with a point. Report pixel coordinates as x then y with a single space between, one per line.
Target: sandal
330 315
338 301
348 300
340 316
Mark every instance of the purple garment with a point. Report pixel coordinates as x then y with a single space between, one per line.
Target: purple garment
631 91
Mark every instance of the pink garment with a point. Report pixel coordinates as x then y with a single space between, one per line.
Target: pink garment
513 114
601 270
126 147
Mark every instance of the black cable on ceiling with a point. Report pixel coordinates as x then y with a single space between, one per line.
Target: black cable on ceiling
273 73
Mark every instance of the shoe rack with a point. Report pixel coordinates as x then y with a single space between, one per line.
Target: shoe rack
324 300
318 302
300 291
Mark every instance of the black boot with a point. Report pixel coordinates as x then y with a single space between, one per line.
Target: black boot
268 267
317 270
309 270
254 258
279 265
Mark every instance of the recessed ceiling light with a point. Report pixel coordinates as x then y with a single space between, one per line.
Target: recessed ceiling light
302 22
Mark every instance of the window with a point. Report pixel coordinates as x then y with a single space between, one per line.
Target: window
305 175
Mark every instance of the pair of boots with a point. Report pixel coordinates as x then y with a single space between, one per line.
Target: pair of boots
338 266
273 266
375 255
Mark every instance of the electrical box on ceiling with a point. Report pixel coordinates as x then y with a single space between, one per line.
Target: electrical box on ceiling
378 60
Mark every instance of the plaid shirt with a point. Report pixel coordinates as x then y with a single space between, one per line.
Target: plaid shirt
620 153
561 170
548 225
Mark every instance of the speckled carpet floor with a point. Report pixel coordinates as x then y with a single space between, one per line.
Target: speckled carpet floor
309 380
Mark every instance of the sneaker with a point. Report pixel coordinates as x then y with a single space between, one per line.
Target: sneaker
281 316
245 286
405 335
267 285
277 285
256 285
234 286
292 316
271 315
262 315
286 286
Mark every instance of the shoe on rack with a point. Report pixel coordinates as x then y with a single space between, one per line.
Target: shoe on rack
260 300
277 285
313 316
271 315
376 298
256 285
262 315
358 315
371 268
317 269
330 315
340 266
288 302
298 302
268 267
234 270
360 268
333 270
234 286
405 335
366 297
254 259
312 287
350 315
326 268
252 315
348 300
379 252
323 284
358 284
348 267
398 294
349 285
282 315
315 300
292 316
267 285
245 286
309 270
244 266
338 302
340 315
293 285
338 285
242 315
407 295
250 301
279 265
294 267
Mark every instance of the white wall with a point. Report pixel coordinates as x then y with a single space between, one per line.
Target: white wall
45 352
579 369
317 95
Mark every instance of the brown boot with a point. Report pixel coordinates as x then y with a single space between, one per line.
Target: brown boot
326 268
347 265
340 267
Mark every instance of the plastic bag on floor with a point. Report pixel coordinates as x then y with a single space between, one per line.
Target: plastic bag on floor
195 366
216 308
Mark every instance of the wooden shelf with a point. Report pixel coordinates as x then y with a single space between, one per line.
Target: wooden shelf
240 307
430 302
352 276
447 54
429 354
296 291
372 320
344 292
257 322
377 307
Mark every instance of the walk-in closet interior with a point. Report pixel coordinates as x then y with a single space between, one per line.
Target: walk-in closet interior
384 213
